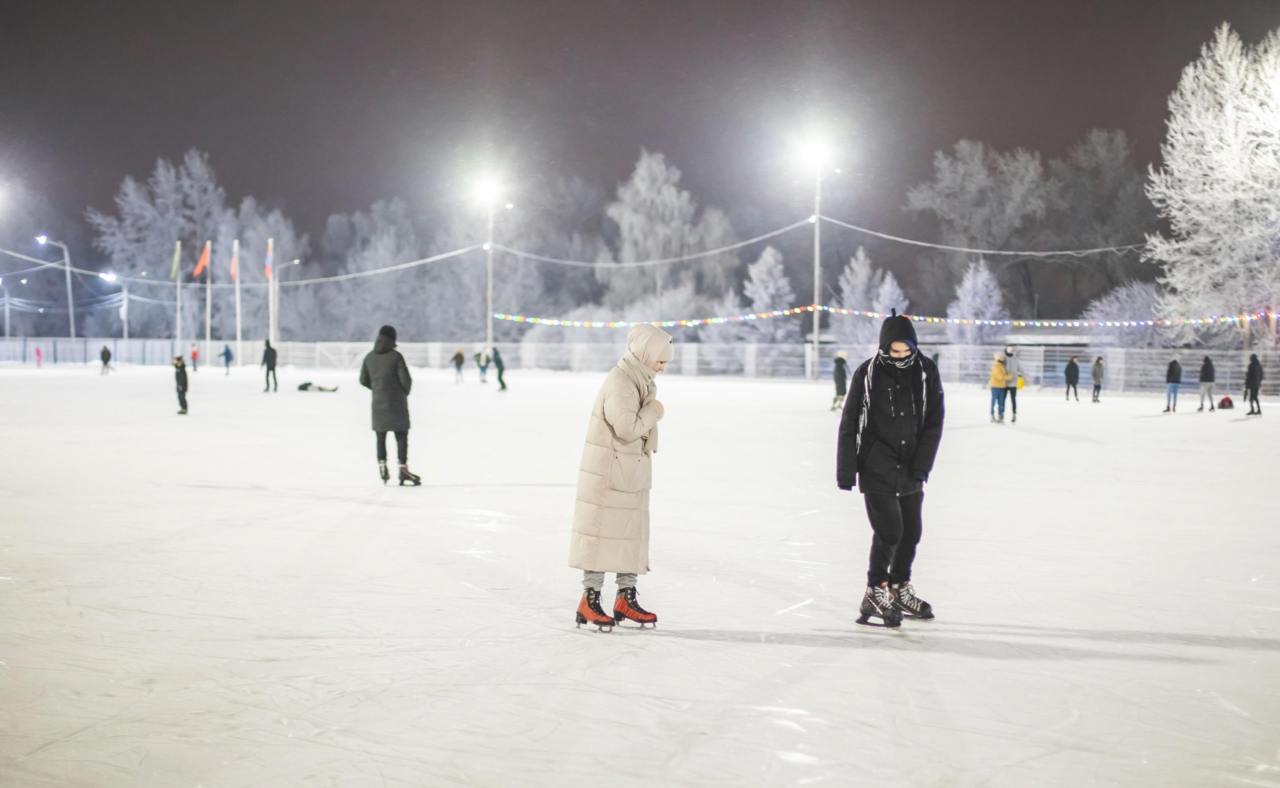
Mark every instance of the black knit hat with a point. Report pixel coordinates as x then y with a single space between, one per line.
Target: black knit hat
897 328
389 332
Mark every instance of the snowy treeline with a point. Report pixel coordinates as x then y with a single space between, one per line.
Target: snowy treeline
1217 192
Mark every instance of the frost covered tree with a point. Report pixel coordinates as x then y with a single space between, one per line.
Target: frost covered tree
977 297
1219 186
859 285
1129 301
889 297
767 288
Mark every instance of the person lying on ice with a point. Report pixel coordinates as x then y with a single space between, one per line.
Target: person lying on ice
611 516
889 436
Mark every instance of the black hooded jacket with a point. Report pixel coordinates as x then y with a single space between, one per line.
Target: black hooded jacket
1073 373
1206 371
892 422
1253 374
840 371
386 374
1174 373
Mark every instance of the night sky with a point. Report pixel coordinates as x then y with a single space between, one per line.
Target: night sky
320 107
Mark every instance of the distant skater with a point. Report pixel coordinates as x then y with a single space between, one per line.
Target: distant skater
500 368
482 361
1253 385
105 355
1097 374
458 361
840 371
1073 379
180 379
385 373
269 361
226 357
1206 383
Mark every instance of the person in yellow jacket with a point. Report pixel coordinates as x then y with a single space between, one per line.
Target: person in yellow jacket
999 381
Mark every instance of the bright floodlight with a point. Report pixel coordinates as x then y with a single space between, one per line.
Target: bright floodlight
813 153
22 281
487 189
42 239
107 276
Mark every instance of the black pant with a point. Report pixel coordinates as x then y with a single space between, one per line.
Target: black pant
1013 399
1072 387
897 525
1097 391
1251 396
502 384
402 447
182 398
271 378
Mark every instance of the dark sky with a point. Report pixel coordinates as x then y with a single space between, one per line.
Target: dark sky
321 107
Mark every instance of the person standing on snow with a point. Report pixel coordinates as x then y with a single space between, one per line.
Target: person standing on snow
998 380
269 361
501 368
1253 385
840 371
889 437
1206 383
482 361
1172 379
105 355
1073 379
611 513
458 360
1097 373
180 379
226 357
1012 366
385 373
195 358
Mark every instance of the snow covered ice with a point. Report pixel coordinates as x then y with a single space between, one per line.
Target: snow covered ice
232 598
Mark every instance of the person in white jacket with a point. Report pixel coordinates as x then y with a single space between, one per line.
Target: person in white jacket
611 515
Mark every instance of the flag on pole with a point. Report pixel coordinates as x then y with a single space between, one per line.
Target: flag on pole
177 260
235 261
204 258
271 250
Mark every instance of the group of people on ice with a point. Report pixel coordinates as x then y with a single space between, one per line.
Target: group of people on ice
1208 377
181 381
483 360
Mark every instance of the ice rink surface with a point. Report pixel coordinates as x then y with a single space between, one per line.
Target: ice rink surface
232 598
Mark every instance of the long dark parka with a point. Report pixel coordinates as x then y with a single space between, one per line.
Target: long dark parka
385 373
892 421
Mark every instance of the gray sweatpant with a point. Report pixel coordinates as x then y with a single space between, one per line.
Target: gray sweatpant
595 580
1206 390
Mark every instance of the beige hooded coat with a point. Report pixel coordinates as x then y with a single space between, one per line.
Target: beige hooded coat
611 516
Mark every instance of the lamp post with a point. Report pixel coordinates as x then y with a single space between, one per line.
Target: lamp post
814 155
45 240
488 190
111 278
6 307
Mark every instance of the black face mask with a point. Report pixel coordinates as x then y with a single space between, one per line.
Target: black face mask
900 363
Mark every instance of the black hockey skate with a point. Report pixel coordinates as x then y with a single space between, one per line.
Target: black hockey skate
910 605
409 478
383 472
877 602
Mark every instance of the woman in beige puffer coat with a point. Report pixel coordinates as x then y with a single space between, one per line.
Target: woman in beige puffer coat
611 516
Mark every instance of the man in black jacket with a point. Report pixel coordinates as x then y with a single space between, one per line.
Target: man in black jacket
1073 379
1206 383
180 379
269 361
889 436
1252 385
1172 380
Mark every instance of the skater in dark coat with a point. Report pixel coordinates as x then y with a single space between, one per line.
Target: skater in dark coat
1073 379
385 373
500 368
180 379
1097 379
226 357
1253 385
105 355
1172 380
889 436
458 360
840 372
269 361
1206 383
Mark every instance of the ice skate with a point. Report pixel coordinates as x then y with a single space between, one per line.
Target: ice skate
589 612
626 607
409 478
910 605
1013 419
383 472
877 602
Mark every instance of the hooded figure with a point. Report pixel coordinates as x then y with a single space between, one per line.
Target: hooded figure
889 437
611 514
269 362
385 373
1072 374
1097 373
1207 376
840 371
1253 385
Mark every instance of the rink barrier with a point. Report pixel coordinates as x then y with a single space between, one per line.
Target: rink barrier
1127 369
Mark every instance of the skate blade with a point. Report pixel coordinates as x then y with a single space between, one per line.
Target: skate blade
867 622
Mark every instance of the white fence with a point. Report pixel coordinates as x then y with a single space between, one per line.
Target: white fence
1136 369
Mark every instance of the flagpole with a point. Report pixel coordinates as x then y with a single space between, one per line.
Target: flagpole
177 309
273 301
235 274
208 305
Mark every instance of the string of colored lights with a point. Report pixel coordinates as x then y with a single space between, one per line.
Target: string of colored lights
1224 320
